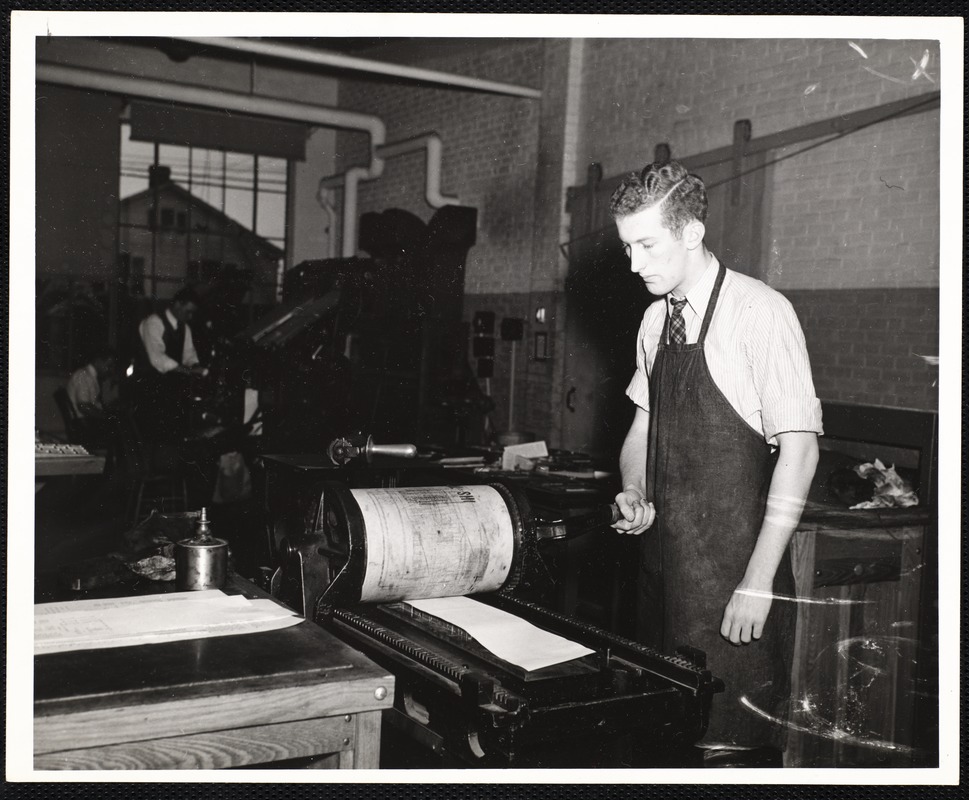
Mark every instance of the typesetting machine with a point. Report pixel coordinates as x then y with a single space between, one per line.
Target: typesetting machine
363 553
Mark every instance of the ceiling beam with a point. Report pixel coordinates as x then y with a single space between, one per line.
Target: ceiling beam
305 55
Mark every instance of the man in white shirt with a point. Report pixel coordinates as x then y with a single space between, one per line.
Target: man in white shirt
167 337
85 386
164 356
92 395
718 461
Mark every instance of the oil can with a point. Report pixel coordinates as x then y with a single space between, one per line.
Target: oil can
201 562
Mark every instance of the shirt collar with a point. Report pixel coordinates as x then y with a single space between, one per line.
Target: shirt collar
171 318
698 298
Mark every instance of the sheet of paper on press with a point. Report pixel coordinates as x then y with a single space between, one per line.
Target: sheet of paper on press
509 637
151 619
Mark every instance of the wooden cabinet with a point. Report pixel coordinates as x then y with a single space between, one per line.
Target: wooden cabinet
856 682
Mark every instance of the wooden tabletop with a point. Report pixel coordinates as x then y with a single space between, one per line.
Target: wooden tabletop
834 518
93 698
46 466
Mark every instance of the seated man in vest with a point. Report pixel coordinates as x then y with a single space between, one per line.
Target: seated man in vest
164 359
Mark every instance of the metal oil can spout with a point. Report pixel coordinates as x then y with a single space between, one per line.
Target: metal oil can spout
203 532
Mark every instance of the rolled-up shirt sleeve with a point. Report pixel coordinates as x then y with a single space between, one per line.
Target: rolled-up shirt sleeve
151 331
782 371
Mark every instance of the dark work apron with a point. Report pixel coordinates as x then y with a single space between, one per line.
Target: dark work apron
708 474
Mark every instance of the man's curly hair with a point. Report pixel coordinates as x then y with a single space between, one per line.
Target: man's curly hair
682 196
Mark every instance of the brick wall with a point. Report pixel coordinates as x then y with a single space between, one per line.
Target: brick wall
852 225
860 213
865 344
689 92
856 215
852 232
490 153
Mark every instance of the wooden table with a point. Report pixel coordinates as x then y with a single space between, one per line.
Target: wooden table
228 701
46 466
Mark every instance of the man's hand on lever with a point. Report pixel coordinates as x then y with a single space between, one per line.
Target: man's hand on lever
637 513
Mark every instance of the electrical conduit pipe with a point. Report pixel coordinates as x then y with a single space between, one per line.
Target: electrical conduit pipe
218 99
350 180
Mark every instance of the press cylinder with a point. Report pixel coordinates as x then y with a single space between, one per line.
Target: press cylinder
392 544
202 561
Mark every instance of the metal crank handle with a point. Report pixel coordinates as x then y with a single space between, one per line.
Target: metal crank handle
342 451
617 514
602 516
391 450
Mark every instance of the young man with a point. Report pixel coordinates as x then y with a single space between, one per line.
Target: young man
718 460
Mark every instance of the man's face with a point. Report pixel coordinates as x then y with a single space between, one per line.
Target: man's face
655 254
184 312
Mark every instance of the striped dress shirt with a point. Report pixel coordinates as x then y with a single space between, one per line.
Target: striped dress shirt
755 352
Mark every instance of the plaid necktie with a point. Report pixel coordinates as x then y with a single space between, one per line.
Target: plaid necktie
677 323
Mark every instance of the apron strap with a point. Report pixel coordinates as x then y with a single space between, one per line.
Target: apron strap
721 273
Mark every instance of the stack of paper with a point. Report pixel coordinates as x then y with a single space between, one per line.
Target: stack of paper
516 456
125 621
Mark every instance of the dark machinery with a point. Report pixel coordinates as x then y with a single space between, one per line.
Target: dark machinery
364 553
359 343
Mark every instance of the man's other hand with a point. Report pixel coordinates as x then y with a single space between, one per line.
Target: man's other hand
745 615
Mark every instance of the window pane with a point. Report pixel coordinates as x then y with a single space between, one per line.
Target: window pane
136 157
207 176
238 206
176 159
209 193
272 174
271 219
228 183
238 170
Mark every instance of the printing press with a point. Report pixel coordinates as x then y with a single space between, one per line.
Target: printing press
367 557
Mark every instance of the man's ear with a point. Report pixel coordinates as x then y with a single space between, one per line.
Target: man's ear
693 234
